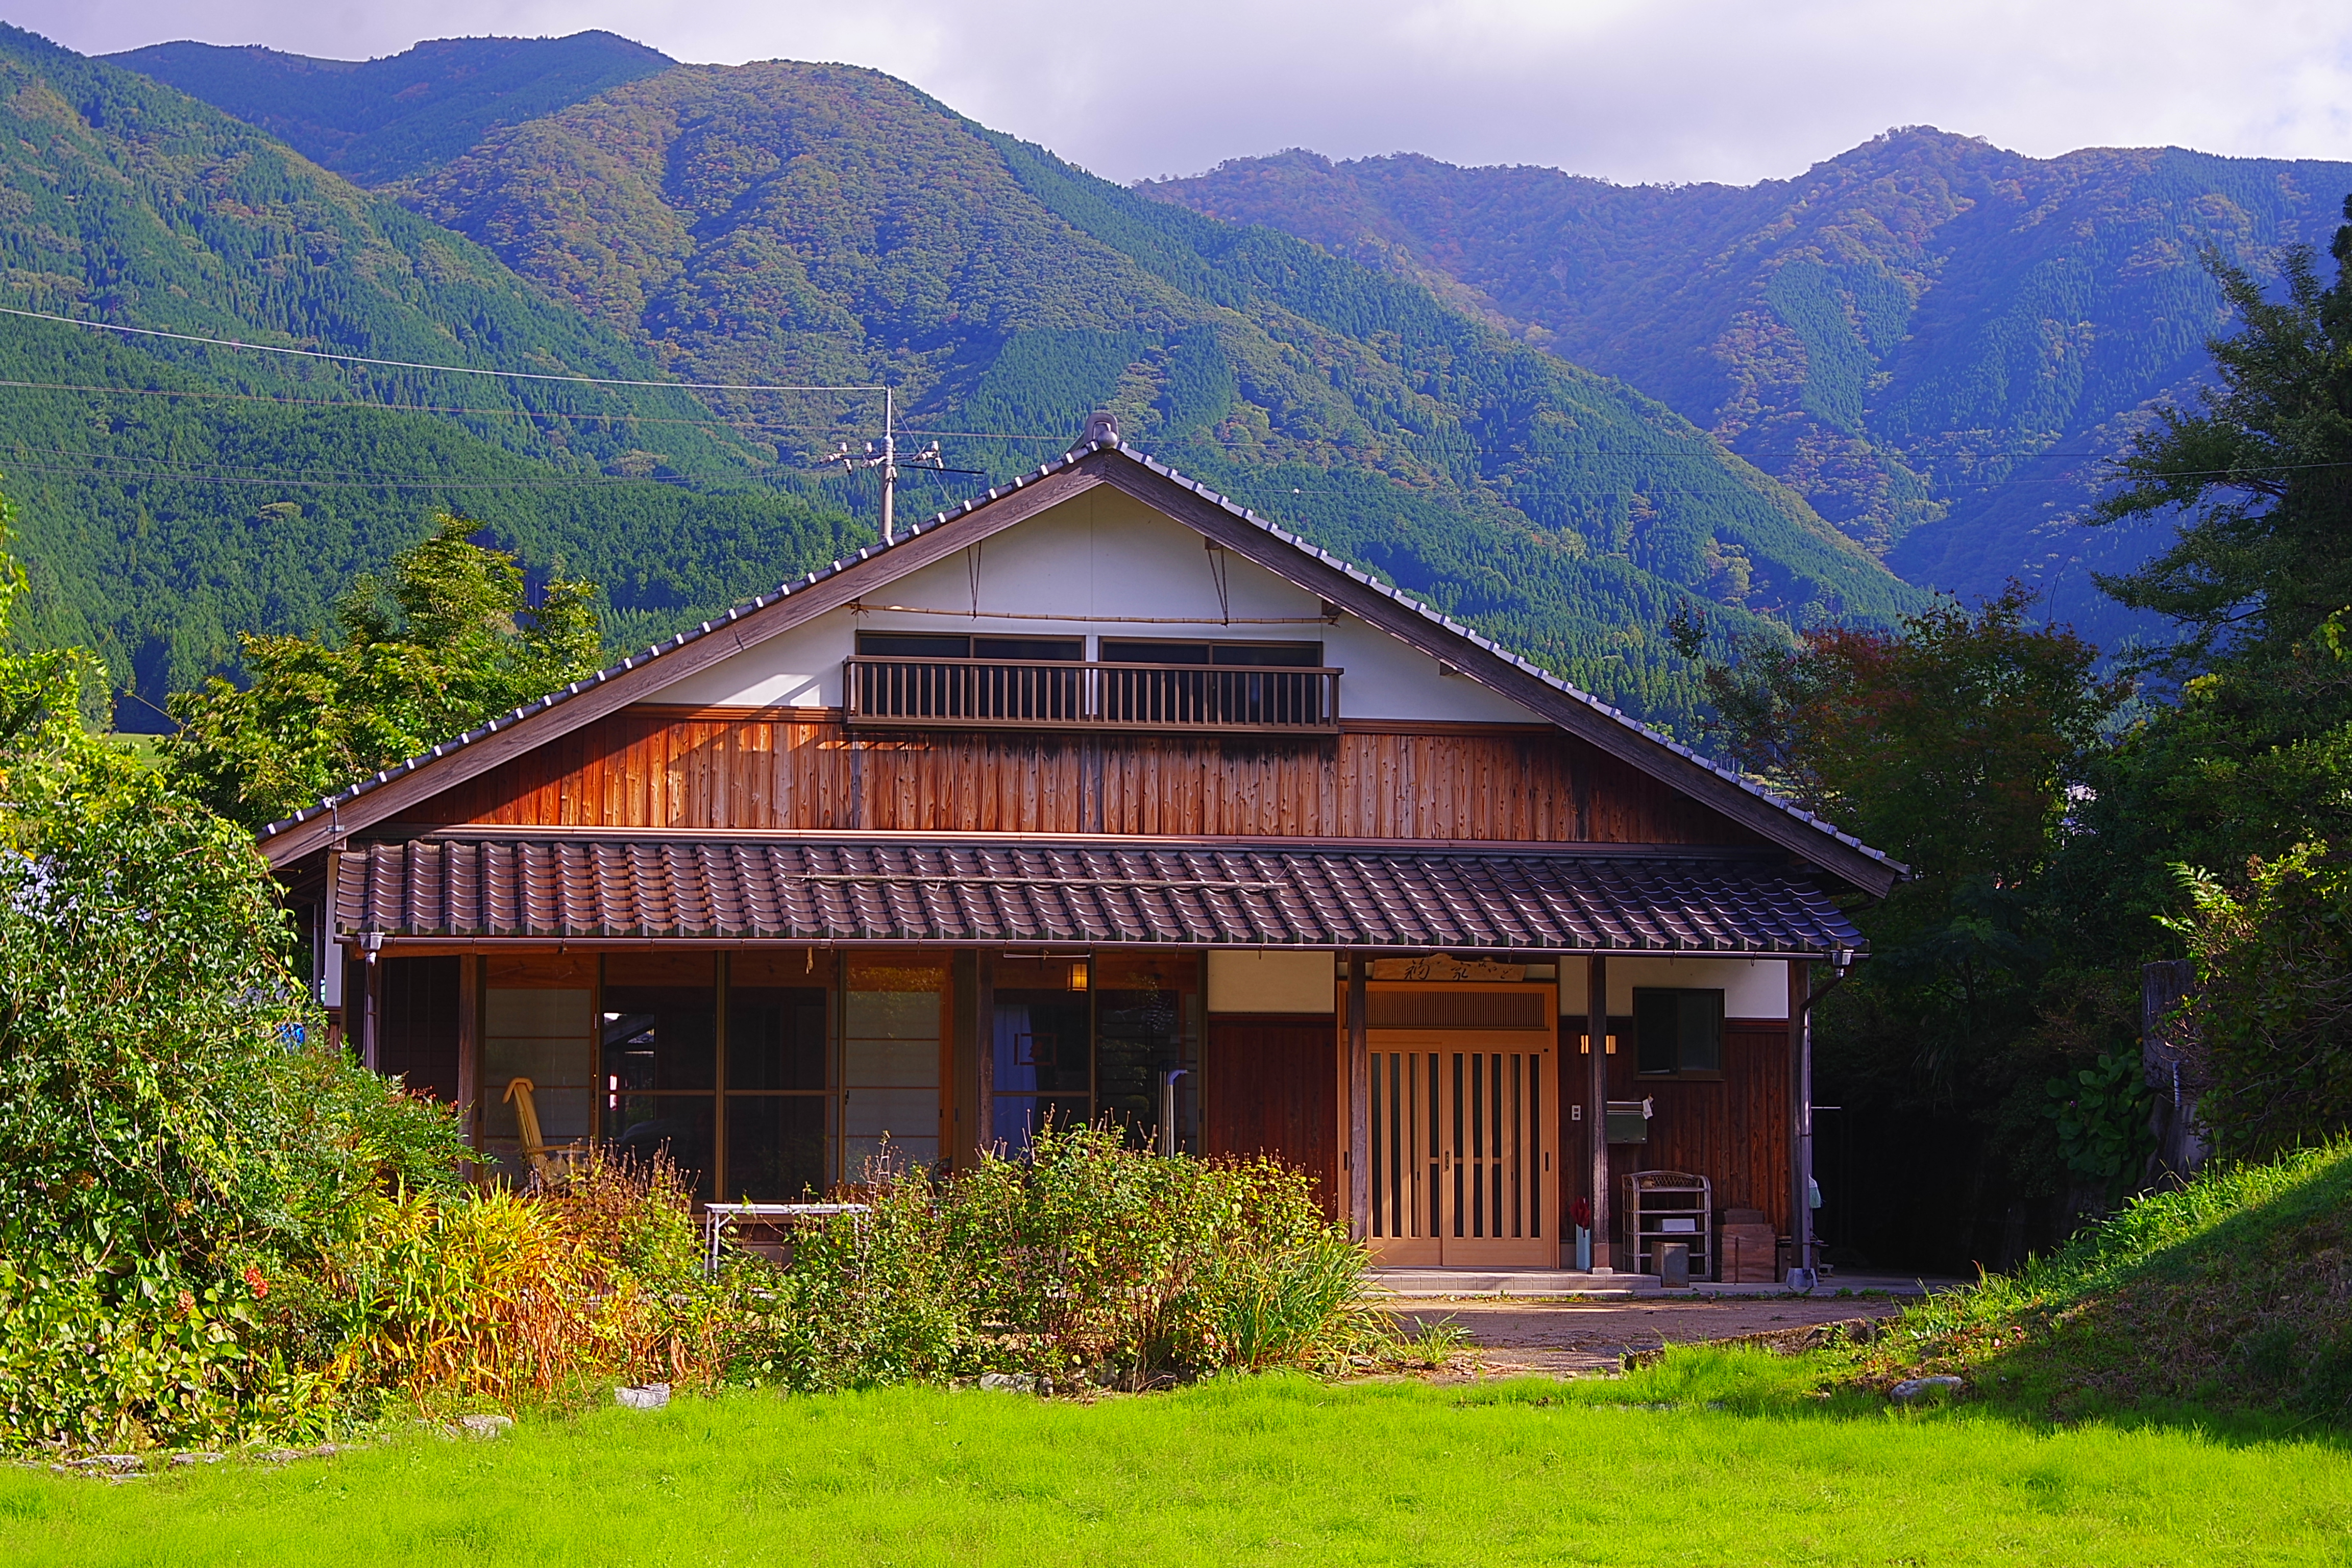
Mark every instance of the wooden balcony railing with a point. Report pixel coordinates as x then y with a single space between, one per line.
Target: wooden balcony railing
1000 694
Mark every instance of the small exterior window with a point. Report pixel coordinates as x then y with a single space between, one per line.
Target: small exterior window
942 645
1678 1030
1245 655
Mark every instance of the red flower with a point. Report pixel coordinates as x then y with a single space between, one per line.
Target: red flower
255 1282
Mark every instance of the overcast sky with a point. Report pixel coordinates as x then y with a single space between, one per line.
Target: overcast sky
1671 89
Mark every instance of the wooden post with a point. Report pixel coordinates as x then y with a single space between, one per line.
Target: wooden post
372 1016
720 981
963 1070
469 1049
1596 1027
1801 1116
1359 1106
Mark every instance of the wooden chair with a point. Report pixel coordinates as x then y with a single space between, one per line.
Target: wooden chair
547 1164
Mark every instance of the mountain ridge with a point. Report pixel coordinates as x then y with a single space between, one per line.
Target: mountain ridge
1935 339
382 120
784 221
172 496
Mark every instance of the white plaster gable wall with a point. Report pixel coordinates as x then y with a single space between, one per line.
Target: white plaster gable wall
1099 564
1751 987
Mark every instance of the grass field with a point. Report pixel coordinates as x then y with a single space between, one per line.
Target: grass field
1738 1466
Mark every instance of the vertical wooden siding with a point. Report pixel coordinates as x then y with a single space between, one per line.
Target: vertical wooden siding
1269 1086
648 768
1734 1129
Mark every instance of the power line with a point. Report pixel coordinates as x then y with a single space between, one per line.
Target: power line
173 476
1696 447
413 365
724 421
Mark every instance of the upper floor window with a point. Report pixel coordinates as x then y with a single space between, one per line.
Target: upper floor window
954 645
1258 655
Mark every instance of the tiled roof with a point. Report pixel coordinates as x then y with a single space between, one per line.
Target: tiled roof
953 890
1084 449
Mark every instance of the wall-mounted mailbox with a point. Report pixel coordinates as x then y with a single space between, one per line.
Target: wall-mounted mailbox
1629 1121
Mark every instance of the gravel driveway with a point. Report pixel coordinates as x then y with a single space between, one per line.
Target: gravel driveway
1572 1337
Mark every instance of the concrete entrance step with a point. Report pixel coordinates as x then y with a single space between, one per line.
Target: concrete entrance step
1418 1282
1437 1283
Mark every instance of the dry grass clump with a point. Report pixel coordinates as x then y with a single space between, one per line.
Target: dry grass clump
514 1298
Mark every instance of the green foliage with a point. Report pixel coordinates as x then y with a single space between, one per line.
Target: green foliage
172 1130
1960 744
2272 1018
2102 1119
42 695
1089 1262
2265 468
448 641
522 1301
1953 745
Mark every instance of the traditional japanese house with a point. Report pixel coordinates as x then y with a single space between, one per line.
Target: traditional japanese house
1100 797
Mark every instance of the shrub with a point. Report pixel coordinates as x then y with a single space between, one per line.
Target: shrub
2273 1016
172 1134
1088 1260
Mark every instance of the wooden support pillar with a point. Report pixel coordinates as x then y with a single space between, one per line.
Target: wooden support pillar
1801 1118
1359 1105
1596 1026
969 1036
469 1049
372 1016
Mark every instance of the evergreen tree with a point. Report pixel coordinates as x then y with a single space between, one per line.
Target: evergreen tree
447 640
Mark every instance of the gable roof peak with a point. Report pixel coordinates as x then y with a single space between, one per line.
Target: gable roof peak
1396 611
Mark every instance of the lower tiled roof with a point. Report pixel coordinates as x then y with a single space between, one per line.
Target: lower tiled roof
1453 899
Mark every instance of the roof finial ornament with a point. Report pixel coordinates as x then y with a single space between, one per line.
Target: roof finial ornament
1102 429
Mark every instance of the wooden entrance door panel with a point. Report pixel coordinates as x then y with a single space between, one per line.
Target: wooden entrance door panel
1266 1089
1463 1130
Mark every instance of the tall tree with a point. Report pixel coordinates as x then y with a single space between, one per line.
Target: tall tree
447 640
2263 467
1957 744
2253 756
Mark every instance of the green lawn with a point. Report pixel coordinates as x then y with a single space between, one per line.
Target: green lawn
1266 1470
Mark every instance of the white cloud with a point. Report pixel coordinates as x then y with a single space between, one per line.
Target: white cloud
1681 89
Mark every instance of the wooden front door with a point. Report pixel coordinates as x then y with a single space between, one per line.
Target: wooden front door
1463 1126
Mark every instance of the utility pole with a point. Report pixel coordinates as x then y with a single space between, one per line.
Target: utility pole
886 460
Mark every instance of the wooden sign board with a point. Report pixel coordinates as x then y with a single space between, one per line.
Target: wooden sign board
1441 966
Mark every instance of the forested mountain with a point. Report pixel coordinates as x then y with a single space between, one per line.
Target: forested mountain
376 120
1934 340
172 496
800 224
793 223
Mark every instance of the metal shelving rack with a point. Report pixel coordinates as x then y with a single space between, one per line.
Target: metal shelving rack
1660 1206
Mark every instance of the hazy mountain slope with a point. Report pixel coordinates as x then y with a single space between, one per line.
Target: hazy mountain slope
821 224
1934 339
381 120
170 498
